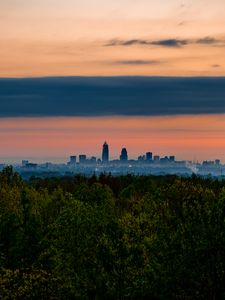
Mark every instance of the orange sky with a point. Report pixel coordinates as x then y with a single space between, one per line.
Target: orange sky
55 139
56 37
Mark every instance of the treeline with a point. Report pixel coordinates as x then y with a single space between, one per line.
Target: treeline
128 237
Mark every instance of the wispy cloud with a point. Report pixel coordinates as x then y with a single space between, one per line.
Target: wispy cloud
182 23
137 62
117 42
108 96
170 43
216 66
208 41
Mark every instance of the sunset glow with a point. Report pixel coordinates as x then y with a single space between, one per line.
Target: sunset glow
45 38
187 137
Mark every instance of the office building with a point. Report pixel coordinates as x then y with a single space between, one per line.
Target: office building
149 156
93 159
217 162
105 153
82 158
124 155
156 158
25 162
141 158
73 160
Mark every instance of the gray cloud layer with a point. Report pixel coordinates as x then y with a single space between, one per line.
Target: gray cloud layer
100 96
166 42
136 62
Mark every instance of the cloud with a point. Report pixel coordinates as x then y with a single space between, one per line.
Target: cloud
164 42
172 43
136 62
116 42
216 66
207 40
108 96
182 23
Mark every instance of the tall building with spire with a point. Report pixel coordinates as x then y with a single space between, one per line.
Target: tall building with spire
105 153
124 155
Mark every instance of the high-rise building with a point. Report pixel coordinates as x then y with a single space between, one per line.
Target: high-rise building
156 157
82 158
217 162
25 162
105 153
124 156
141 158
172 158
73 160
93 159
149 156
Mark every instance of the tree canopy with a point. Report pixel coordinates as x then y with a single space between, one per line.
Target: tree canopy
127 237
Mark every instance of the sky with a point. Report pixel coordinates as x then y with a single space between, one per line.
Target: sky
94 37
152 71
54 139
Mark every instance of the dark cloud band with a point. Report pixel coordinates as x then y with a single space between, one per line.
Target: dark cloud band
104 96
167 42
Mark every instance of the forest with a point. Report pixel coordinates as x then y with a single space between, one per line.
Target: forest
105 237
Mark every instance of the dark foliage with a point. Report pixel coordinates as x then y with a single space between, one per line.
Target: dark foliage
111 237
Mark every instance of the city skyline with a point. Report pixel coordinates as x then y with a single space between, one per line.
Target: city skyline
148 163
190 137
105 156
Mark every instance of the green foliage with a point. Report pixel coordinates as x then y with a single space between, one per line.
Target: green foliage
112 237
26 284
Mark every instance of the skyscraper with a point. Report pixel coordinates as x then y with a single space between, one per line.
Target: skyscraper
105 152
82 158
149 156
73 160
124 156
172 158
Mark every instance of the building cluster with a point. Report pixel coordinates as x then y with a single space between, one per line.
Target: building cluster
148 157
144 165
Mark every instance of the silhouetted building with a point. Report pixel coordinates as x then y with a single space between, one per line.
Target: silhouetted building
48 165
105 152
149 156
31 166
207 163
124 156
25 162
93 159
82 158
73 160
217 162
172 158
164 159
156 158
141 158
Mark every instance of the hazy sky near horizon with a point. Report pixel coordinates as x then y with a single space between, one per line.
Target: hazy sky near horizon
189 137
120 37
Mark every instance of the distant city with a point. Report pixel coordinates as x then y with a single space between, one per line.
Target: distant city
147 164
